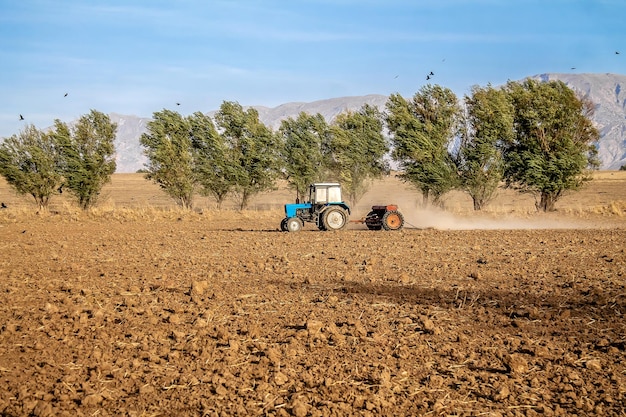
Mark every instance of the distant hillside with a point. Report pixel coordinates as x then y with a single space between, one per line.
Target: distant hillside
329 108
130 157
608 91
129 152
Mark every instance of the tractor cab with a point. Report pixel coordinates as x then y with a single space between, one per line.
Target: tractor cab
325 193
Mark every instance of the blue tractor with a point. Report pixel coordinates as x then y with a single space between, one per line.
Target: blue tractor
325 208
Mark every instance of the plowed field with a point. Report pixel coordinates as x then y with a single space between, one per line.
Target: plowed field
132 310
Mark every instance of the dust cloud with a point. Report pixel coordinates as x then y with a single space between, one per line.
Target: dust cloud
432 218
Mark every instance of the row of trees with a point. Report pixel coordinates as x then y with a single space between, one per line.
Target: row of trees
78 158
535 137
238 155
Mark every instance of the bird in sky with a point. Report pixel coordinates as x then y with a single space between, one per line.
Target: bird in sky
21 117
616 52
65 95
178 104
431 73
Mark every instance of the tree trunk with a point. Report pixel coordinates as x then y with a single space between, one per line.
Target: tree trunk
245 199
548 200
478 203
220 201
186 202
425 198
42 203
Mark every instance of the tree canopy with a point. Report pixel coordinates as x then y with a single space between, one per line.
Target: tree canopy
554 141
212 159
488 120
358 148
254 150
167 144
30 163
422 131
305 150
88 155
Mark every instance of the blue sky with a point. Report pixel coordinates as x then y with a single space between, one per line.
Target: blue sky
138 57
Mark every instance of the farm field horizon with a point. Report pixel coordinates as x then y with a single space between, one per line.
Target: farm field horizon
600 202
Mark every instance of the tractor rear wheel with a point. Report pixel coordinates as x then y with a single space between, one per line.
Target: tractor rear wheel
334 219
294 224
393 220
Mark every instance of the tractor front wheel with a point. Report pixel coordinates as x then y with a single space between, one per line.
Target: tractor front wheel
393 220
294 224
334 219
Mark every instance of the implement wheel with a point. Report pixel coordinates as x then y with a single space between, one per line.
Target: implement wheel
283 225
393 220
334 219
372 221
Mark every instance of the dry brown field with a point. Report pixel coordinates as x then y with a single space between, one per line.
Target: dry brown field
137 308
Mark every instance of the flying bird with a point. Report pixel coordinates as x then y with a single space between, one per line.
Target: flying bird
427 77
3 206
21 117
616 52
395 77
65 95
178 104
431 73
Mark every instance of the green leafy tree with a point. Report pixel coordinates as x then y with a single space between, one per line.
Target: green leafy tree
253 148
422 131
306 146
358 147
212 159
554 141
29 162
88 155
168 146
488 121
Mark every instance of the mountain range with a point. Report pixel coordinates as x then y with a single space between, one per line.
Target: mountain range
606 91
